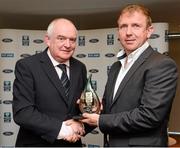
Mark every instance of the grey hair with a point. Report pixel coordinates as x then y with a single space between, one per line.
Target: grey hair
51 25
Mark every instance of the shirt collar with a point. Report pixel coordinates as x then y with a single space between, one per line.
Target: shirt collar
121 55
54 62
134 55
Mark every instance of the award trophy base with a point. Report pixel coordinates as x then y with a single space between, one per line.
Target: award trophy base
78 117
84 109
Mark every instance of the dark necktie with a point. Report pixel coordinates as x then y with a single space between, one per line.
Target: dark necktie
64 79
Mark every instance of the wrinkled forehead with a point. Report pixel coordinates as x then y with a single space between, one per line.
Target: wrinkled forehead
65 26
62 27
141 10
133 16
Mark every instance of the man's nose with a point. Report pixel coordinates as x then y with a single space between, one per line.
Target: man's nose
129 31
67 43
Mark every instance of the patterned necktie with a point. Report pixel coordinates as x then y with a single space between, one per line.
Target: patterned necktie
64 79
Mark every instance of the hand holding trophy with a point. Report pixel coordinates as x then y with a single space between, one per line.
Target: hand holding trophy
89 101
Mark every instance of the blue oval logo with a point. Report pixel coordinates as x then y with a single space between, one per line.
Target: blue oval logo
38 41
7 102
7 71
7 40
109 55
94 132
166 53
93 40
8 133
81 55
154 36
156 49
25 55
93 70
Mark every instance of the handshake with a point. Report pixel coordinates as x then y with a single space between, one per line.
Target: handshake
71 130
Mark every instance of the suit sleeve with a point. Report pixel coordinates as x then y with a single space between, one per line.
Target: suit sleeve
155 103
25 112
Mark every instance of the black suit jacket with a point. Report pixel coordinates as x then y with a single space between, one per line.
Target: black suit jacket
139 113
39 102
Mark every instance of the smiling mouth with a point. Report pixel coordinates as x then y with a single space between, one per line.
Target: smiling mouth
130 41
66 50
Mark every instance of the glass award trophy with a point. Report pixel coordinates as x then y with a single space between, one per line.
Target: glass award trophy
89 101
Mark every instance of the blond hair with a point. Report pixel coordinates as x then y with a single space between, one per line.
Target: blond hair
131 8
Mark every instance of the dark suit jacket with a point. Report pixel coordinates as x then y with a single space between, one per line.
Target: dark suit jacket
39 102
139 113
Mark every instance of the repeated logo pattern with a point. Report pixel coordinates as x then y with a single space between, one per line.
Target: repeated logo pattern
96 48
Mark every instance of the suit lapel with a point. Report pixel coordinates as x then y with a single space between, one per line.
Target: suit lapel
73 79
132 70
52 74
111 83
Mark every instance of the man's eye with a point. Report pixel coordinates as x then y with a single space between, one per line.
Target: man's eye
72 40
122 26
61 38
136 26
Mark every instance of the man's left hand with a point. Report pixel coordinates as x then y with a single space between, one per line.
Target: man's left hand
91 119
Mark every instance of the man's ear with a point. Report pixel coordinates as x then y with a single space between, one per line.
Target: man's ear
150 30
46 39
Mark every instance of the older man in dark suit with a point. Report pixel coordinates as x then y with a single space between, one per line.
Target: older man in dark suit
44 95
140 88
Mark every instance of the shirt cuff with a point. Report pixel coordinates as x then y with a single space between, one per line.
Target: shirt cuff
64 131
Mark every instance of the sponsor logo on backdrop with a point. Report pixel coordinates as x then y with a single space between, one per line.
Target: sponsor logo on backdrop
7 117
25 40
109 55
154 36
81 55
154 48
94 132
81 40
93 55
83 145
93 145
94 84
7 40
93 70
110 39
108 69
94 40
7 55
7 102
25 55
38 41
8 133
166 53
7 85
7 71
38 51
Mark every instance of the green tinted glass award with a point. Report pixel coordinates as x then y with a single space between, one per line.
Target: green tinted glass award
89 101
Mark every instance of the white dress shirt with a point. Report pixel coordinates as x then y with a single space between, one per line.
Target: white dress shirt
126 63
65 130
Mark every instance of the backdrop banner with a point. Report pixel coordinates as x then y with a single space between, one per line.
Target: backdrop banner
96 48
